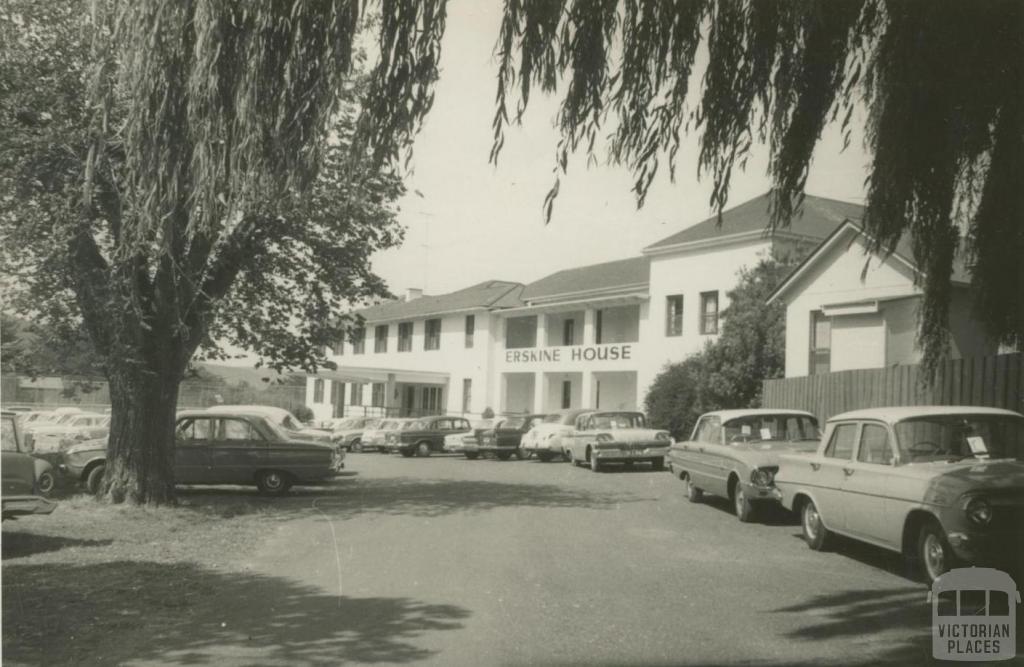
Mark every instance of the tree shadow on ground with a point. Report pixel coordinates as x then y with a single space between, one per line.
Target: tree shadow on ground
897 622
128 611
20 545
397 496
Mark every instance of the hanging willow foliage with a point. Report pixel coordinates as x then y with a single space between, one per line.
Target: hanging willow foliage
942 82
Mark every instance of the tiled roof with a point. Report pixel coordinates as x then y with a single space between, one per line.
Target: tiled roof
608 275
820 218
488 294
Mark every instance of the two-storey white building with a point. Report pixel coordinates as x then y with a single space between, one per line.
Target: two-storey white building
590 336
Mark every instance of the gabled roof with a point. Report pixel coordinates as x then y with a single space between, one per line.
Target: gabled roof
820 218
622 273
903 253
488 294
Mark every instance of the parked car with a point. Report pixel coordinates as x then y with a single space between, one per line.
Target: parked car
225 446
282 418
75 428
548 439
603 437
504 439
468 444
426 435
936 483
375 437
735 454
348 431
25 477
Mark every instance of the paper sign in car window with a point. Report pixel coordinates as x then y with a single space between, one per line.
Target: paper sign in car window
766 433
977 444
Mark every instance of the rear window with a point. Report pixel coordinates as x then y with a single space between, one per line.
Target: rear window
8 438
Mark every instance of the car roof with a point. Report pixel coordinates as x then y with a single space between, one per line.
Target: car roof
216 412
899 413
250 409
726 415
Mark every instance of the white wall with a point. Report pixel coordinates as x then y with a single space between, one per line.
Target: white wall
836 278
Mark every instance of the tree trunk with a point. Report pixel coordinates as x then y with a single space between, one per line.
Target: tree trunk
140 452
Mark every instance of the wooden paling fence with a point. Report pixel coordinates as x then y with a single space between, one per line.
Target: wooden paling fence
994 381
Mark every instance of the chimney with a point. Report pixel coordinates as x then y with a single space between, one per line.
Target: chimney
413 293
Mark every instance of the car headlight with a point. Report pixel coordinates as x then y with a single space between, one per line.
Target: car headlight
979 511
762 477
663 436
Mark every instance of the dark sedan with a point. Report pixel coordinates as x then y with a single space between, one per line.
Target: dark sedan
426 435
504 439
225 447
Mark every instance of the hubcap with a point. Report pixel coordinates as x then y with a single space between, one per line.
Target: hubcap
46 483
934 556
811 520
273 481
424 449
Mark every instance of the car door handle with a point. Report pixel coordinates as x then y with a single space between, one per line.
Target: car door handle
815 467
848 471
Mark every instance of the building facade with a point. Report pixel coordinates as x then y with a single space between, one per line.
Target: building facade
848 308
591 336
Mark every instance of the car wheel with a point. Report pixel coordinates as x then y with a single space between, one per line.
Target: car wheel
472 456
94 481
407 453
273 482
658 463
741 503
423 448
693 494
595 465
544 456
504 456
357 445
815 533
46 483
934 552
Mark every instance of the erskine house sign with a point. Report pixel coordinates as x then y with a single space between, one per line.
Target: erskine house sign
575 353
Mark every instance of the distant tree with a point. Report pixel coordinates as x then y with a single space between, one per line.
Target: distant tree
941 81
728 373
33 350
304 413
175 174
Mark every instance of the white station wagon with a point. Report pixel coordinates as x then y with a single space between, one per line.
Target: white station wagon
940 484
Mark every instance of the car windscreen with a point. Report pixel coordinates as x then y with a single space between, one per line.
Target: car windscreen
618 420
556 419
759 428
7 436
954 437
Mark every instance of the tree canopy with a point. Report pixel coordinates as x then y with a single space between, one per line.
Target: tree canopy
177 174
942 82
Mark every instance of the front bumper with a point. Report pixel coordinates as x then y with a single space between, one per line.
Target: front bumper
609 453
1000 548
24 505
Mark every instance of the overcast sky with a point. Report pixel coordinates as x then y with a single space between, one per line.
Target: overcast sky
475 221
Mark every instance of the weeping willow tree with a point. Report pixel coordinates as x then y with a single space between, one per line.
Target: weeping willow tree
180 174
942 82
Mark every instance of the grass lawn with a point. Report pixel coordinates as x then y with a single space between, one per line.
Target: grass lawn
100 584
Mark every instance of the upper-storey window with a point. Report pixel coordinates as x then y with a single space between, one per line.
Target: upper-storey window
359 340
709 312
470 329
674 315
432 335
380 338
405 336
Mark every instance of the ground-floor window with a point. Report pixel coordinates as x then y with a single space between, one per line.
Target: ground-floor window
431 399
566 394
357 394
821 343
467 394
377 395
318 391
